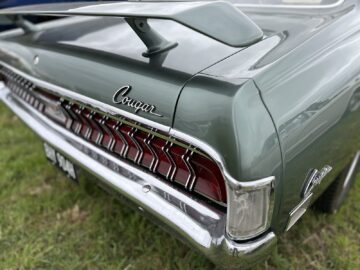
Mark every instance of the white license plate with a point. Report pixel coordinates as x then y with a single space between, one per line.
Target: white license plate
60 161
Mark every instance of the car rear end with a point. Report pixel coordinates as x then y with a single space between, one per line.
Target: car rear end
197 152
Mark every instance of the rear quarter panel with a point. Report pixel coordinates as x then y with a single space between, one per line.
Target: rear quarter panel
311 92
229 116
312 95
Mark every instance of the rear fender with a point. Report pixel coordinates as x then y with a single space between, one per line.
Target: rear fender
230 117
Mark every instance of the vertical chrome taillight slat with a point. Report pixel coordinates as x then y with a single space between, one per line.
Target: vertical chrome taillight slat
95 125
69 120
77 122
125 147
172 169
108 131
83 120
140 151
155 159
192 175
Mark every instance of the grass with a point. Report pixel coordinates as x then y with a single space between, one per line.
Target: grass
46 222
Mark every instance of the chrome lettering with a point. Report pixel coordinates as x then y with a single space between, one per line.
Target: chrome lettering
120 97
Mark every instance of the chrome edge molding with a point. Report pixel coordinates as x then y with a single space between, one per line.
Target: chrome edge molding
350 174
203 227
299 211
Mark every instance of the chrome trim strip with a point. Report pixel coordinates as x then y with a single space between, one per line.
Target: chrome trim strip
299 211
352 168
203 227
88 101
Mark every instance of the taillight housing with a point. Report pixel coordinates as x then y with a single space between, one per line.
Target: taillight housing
250 208
175 161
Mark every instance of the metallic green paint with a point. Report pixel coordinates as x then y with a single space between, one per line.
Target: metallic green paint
92 61
309 78
230 116
279 107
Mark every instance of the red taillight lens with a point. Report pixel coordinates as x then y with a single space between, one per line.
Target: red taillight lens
209 178
171 159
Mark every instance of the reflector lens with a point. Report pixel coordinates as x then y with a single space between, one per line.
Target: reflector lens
249 211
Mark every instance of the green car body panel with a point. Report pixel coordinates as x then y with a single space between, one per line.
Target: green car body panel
308 88
279 107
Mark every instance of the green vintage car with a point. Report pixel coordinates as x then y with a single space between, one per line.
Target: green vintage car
224 121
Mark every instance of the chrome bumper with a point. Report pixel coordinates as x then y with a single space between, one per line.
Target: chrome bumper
202 226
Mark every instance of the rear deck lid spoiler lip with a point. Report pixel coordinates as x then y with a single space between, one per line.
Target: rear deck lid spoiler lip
218 20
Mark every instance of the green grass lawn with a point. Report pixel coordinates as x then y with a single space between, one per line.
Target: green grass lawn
46 222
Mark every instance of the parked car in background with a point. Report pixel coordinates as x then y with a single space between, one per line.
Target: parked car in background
224 121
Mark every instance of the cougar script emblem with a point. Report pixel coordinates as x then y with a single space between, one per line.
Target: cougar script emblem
120 97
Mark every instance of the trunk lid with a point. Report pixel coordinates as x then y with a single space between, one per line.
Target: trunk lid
97 56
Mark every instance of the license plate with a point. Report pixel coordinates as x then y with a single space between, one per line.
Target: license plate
60 161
